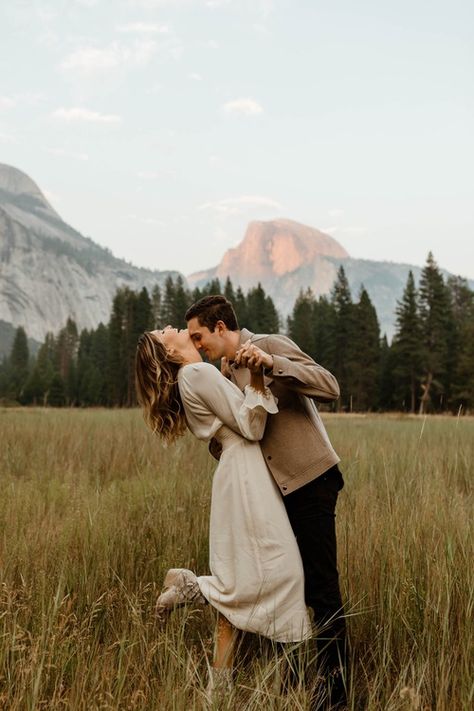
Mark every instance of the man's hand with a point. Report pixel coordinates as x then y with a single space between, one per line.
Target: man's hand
252 357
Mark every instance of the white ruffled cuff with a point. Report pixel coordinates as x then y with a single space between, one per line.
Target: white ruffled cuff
257 398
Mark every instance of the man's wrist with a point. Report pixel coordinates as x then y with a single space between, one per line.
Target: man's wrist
268 367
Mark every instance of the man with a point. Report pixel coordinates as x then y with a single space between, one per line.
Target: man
299 455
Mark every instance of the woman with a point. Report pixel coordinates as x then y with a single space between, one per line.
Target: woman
256 582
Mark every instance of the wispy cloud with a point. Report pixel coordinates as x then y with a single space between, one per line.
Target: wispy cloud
84 115
195 76
247 107
89 60
143 28
243 203
64 153
349 230
336 212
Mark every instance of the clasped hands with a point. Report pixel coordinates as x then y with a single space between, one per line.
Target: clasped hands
248 356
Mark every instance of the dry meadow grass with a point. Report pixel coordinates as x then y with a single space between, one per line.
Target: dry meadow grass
94 510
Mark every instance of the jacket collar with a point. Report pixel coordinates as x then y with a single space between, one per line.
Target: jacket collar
245 335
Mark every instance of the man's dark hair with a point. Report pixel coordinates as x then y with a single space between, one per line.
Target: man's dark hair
211 309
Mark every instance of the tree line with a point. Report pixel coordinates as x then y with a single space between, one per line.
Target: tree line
428 367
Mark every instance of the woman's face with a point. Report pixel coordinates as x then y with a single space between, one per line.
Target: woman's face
174 339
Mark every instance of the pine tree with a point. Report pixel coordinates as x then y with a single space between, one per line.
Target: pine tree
436 315
386 383
66 353
341 336
167 313
118 363
240 308
365 350
408 349
301 322
262 316
182 301
92 366
156 306
39 384
462 344
19 362
229 291
57 394
323 321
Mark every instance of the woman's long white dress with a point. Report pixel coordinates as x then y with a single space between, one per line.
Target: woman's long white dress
257 579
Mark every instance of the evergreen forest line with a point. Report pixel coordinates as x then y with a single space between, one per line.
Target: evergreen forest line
428 367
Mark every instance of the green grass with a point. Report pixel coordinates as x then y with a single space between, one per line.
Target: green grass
94 510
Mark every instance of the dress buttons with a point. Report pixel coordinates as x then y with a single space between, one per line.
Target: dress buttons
284 488
280 372
269 456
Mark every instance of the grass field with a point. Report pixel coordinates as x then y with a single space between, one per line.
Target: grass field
93 511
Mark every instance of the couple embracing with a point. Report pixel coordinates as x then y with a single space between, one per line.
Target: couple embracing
272 524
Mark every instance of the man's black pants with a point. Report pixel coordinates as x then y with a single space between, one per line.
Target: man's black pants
311 510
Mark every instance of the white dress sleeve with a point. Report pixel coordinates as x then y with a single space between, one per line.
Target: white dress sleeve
208 392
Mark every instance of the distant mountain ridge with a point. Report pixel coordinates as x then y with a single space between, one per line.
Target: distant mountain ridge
48 270
286 256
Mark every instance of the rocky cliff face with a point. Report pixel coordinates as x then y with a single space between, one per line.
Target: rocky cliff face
271 250
48 271
286 257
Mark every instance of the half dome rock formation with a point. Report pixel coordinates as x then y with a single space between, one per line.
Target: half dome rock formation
287 257
48 270
269 250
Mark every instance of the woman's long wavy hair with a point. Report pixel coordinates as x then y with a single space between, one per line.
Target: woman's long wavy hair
156 382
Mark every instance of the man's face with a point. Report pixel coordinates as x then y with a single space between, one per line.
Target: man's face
211 343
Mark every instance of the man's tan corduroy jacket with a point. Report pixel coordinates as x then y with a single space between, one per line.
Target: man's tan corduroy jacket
295 445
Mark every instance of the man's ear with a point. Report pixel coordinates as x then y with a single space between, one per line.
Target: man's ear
221 327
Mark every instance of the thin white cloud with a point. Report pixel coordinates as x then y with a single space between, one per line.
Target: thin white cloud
245 106
143 28
84 115
335 212
243 203
63 153
195 76
152 4
6 102
89 60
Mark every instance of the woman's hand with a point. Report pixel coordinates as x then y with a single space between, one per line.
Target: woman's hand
252 357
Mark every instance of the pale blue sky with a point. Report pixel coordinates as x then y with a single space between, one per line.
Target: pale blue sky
160 128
